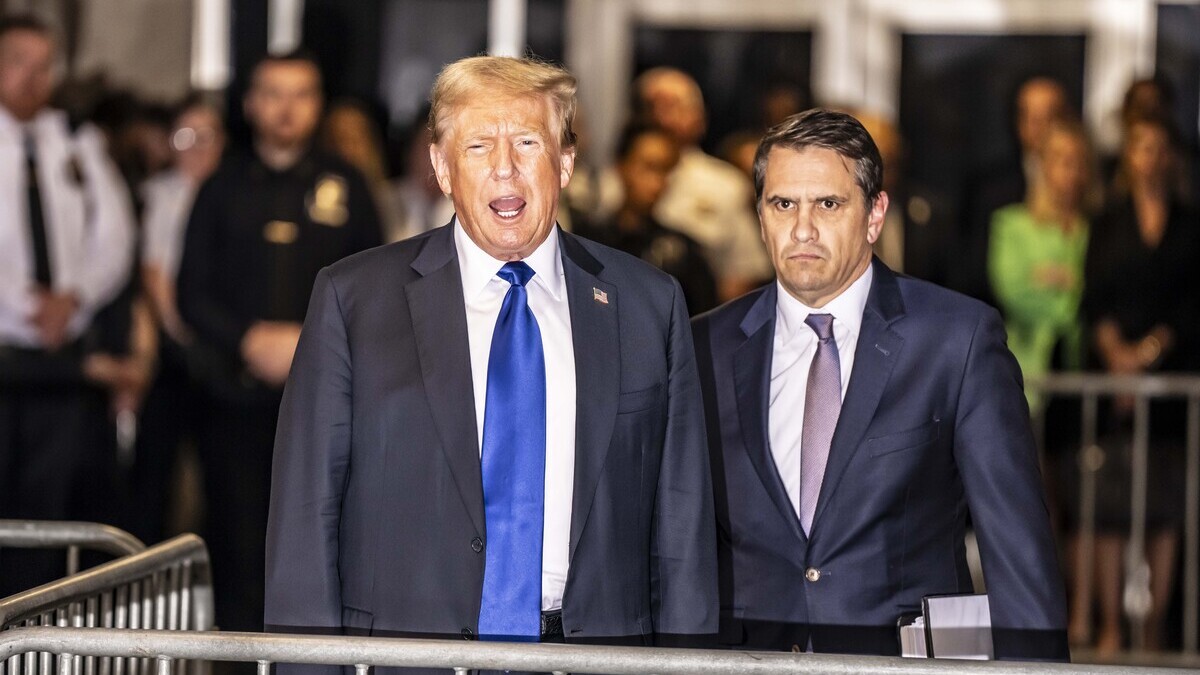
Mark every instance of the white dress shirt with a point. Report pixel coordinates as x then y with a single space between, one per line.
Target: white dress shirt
794 348
168 199
483 294
87 215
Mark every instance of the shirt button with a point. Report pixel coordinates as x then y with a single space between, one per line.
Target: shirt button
477 544
812 574
467 634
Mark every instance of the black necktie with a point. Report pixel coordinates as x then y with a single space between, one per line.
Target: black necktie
37 222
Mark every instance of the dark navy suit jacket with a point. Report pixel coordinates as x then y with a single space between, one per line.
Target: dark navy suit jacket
377 519
934 425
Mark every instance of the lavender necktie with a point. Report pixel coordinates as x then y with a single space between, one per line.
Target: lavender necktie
822 404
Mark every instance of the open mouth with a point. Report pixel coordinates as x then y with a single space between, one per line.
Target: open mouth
507 208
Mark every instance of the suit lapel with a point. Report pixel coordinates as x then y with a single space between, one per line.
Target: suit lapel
875 355
752 381
596 338
439 322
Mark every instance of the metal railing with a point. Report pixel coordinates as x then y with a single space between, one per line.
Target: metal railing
167 587
1090 388
167 648
73 536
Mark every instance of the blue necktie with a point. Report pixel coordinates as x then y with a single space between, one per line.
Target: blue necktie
514 467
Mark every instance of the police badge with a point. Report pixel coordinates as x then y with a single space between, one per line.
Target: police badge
327 201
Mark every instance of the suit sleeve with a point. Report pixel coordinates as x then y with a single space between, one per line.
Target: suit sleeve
309 474
995 453
683 547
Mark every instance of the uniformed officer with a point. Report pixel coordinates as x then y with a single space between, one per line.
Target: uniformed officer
66 246
261 228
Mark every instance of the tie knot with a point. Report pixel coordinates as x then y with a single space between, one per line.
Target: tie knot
822 325
516 273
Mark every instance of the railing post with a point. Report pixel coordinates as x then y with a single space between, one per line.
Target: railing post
1091 458
1137 598
1191 574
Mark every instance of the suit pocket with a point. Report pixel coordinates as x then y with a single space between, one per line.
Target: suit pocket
642 399
357 622
904 440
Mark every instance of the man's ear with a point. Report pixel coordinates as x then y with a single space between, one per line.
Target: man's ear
876 216
567 164
441 167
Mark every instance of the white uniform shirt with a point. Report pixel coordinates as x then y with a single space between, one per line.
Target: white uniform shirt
712 202
87 215
794 348
483 293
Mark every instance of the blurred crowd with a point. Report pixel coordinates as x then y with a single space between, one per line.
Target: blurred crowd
154 276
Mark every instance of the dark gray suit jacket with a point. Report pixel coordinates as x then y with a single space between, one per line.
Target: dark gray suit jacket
377 520
933 426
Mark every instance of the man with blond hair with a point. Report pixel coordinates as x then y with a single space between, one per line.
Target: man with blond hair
493 430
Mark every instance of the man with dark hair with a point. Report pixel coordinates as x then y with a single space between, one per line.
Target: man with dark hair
261 228
855 417
645 158
66 244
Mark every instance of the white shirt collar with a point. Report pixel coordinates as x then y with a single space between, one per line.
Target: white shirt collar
11 125
478 268
846 308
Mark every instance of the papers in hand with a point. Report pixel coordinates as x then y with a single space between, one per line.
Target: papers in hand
952 627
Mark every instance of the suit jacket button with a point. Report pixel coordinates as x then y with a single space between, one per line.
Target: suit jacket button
812 574
468 634
477 544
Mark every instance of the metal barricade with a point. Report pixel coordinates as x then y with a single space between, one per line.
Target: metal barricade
73 536
167 648
165 587
1143 388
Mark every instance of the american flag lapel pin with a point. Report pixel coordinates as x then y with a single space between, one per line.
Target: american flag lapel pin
599 296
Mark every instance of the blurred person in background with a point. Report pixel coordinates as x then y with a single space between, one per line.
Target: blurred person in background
594 193
261 228
420 201
66 244
706 198
1154 97
175 407
1038 103
645 158
138 135
916 231
739 148
1140 301
1036 257
351 132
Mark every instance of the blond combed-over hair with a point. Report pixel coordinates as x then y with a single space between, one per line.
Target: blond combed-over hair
498 77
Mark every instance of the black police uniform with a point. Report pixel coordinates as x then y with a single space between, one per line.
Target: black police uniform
255 241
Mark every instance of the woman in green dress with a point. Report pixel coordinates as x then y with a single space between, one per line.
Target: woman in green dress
1036 258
